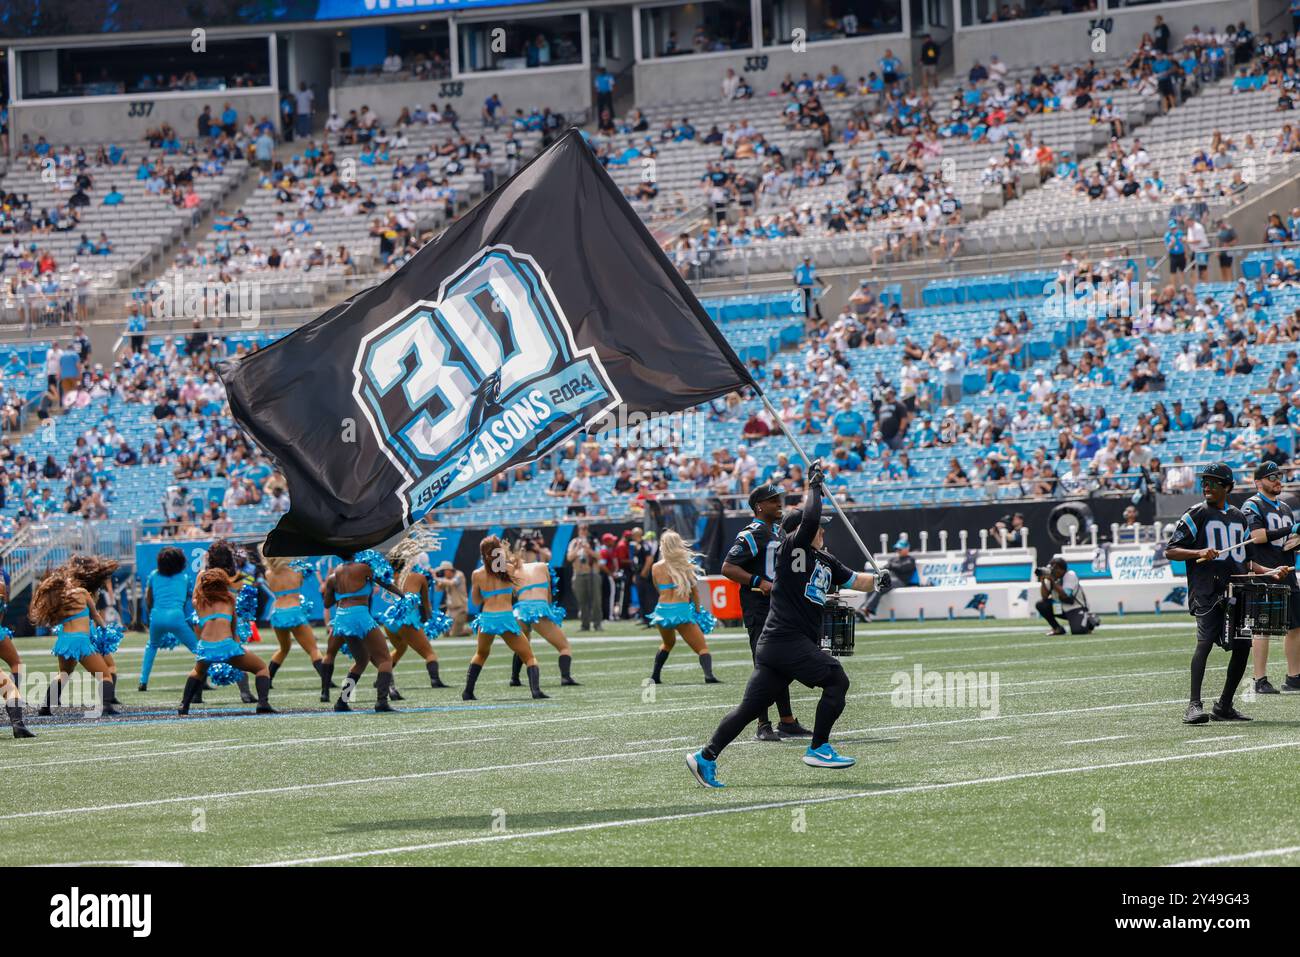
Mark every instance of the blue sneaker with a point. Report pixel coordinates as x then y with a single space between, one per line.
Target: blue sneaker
825 757
704 770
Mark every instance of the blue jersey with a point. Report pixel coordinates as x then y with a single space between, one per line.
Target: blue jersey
170 592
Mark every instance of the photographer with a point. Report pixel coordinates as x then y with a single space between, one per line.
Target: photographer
585 566
1057 583
902 569
455 598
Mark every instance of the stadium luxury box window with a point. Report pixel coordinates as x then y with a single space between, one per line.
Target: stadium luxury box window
144 68
679 29
522 43
975 12
822 20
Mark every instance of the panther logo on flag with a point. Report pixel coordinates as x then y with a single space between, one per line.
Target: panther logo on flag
485 378
1176 596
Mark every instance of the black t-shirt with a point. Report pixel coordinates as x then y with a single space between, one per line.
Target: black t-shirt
804 575
1204 527
754 550
1268 515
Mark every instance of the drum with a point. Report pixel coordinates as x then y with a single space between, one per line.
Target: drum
838 624
1257 609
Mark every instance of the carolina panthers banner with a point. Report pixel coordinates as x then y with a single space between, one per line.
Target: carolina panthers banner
544 308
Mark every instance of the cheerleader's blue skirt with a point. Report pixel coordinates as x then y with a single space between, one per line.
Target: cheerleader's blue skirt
496 623
670 614
76 644
289 618
353 621
214 652
537 609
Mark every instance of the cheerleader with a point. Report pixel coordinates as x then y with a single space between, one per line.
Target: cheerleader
167 598
678 611
219 651
494 585
285 579
95 575
411 620
533 609
8 650
69 610
13 706
348 591
224 556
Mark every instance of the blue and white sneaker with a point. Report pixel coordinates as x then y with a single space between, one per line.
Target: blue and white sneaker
826 757
704 770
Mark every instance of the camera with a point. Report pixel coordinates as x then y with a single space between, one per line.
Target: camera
1043 571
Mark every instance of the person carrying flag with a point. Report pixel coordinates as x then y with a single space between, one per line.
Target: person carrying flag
789 647
751 563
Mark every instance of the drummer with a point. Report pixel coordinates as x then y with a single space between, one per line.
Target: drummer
1210 539
1266 513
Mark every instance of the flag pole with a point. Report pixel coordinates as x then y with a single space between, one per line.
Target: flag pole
808 462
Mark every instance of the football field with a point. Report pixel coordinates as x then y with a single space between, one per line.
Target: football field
1014 749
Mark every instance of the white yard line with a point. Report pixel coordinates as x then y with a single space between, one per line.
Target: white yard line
774 805
1231 858
384 779
1214 740
1000 737
1112 737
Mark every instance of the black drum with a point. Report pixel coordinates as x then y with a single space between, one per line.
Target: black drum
1257 609
838 624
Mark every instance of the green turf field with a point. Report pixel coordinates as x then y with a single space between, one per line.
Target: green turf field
1085 762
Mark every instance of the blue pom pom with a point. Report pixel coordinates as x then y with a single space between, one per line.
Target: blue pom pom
303 567
705 620
106 639
246 602
379 565
439 623
167 641
223 674
346 650
5 633
243 629
194 622
404 611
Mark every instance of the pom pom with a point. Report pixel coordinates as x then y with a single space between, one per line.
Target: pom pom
106 639
167 641
243 629
404 611
223 674
194 622
439 623
6 633
705 620
303 567
379 565
346 649
246 602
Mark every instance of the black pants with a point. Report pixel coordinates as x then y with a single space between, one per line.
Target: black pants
647 595
1209 632
777 663
604 101
754 621
1077 617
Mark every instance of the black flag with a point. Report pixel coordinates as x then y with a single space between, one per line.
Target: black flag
538 312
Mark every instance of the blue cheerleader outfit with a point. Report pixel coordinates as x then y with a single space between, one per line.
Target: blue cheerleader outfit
168 624
496 622
670 614
353 621
218 652
530 610
293 616
74 644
